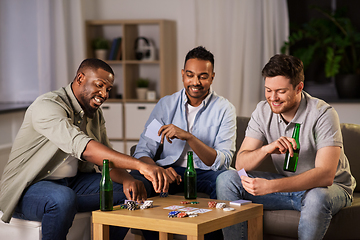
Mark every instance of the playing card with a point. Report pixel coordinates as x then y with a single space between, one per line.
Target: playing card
202 210
242 172
173 207
188 209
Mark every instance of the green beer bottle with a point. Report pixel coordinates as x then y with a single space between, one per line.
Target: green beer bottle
190 189
290 163
106 188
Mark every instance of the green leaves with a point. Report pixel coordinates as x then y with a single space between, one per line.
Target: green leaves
332 40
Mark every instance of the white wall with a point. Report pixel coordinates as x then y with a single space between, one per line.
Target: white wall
348 112
179 11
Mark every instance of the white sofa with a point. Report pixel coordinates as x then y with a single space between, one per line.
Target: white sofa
19 229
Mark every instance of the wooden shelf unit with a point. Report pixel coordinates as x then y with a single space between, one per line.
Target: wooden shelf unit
162 71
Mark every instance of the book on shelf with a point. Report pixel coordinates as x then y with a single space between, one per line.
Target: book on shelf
114 51
119 51
240 202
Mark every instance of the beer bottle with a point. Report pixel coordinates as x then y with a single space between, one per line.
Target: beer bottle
290 163
190 189
106 188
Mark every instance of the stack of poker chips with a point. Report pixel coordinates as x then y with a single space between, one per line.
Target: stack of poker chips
147 204
164 194
181 214
131 205
212 204
173 214
221 205
192 214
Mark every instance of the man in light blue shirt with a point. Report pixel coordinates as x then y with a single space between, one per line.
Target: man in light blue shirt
193 119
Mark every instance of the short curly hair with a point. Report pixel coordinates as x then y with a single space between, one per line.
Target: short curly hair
95 64
201 53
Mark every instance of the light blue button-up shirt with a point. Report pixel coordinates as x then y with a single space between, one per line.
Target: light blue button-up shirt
214 125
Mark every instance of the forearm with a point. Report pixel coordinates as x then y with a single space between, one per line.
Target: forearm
206 154
95 152
250 159
312 178
147 160
120 175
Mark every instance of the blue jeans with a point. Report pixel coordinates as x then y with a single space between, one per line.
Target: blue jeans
206 181
54 203
317 205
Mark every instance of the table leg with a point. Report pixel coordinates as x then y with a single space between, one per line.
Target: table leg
165 236
200 237
100 231
255 228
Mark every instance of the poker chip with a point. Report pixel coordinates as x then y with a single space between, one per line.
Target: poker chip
131 205
212 204
221 205
227 209
181 214
173 214
147 204
193 215
184 202
194 202
164 194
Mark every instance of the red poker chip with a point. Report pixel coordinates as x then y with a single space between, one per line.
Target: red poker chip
212 204
181 215
184 202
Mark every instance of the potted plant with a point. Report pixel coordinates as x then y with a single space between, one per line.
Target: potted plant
101 47
142 85
333 42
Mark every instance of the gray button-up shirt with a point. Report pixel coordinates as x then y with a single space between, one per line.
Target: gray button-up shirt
49 134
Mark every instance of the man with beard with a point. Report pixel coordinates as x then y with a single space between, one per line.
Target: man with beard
322 183
50 175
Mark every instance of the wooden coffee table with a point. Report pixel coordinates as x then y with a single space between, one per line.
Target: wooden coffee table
156 219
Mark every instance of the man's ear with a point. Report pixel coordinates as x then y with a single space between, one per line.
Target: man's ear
79 78
300 87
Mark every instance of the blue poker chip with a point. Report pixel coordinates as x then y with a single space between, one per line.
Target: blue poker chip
173 214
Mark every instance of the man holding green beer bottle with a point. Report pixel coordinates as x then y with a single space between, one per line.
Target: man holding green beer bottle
320 184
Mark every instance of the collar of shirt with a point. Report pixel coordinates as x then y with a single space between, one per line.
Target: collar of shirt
205 101
77 108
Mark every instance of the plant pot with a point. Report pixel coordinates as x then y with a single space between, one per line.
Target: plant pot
101 54
141 93
348 86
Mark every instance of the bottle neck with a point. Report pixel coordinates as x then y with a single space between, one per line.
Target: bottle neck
190 162
105 169
296 133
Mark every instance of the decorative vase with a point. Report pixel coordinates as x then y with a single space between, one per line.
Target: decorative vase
101 54
348 86
141 93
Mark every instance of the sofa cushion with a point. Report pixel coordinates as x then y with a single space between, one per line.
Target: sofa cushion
344 224
351 136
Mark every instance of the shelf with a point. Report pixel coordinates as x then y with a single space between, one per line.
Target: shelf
161 72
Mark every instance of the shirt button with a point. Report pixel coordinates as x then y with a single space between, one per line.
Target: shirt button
48 171
79 121
64 159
